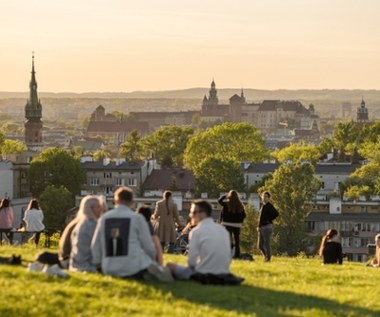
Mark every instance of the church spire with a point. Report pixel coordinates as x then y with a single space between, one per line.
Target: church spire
33 108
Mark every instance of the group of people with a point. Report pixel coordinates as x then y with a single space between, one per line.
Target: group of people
32 221
124 243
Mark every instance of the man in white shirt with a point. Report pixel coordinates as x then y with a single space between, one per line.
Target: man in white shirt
122 244
209 248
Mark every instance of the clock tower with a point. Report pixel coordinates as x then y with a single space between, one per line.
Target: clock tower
33 115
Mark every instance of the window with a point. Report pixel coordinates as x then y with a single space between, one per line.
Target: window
107 175
120 181
322 185
94 181
132 182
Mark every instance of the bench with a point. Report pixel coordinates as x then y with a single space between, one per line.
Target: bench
25 233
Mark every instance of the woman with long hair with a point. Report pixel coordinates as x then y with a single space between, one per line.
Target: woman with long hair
166 216
6 219
89 212
33 219
232 217
331 248
376 261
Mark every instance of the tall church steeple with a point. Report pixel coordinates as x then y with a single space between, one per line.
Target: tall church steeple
33 114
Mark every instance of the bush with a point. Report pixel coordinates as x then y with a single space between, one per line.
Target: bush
248 235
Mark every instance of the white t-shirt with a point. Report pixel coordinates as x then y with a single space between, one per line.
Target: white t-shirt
33 219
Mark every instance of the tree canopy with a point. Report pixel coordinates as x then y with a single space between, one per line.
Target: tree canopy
292 187
132 148
56 166
298 152
167 144
237 141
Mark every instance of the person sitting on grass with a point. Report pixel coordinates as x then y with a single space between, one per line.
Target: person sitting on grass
123 246
209 256
376 261
89 212
331 248
146 212
33 220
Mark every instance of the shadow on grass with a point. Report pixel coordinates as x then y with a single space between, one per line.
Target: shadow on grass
247 299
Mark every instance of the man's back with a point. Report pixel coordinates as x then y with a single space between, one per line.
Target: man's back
122 243
210 250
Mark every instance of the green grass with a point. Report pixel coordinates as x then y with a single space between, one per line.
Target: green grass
285 287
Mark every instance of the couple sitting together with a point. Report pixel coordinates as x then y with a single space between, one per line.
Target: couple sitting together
122 245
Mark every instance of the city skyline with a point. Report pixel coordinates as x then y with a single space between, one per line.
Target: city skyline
167 45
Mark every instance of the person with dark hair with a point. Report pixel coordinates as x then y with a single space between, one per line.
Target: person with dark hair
232 217
122 245
166 216
209 248
146 212
331 248
265 228
33 219
6 219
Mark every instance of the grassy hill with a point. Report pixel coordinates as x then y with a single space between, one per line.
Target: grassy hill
285 287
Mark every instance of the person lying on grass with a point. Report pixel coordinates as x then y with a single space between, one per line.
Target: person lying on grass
209 250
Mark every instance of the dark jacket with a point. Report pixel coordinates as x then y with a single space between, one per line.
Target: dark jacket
332 253
227 215
267 214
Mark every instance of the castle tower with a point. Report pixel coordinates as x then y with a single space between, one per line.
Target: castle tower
33 115
362 113
213 95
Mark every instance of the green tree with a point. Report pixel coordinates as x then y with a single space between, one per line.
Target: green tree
78 151
55 203
99 155
167 144
218 174
346 137
132 148
248 235
293 188
12 147
2 138
56 166
327 145
237 141
298 152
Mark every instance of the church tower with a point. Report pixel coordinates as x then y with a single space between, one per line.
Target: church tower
213 95
33 115
362 113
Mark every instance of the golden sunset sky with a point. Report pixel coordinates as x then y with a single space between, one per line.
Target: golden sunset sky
125 45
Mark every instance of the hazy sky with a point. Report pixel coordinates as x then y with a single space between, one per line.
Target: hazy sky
126 45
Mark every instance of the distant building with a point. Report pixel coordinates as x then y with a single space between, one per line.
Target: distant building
104 177
6 179
108 126
362 113
33 115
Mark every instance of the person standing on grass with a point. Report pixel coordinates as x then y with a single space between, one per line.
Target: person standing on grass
122 245
209 248
376 261
331 248
33 220
6 219
89 212
166 215
265 229
232 217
